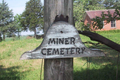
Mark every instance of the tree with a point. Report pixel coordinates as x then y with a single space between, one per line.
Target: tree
11 29
106 16
15 27
6 17
80 6
17 24
111 4
32 17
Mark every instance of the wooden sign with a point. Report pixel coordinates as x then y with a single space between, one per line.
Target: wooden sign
61 41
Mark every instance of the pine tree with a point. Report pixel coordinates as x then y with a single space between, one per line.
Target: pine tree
32 17
6 17
15 26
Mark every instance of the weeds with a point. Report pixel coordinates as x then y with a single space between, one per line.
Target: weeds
101 68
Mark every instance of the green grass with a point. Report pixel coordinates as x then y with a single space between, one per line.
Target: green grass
113 35
15 38
101 68
11 68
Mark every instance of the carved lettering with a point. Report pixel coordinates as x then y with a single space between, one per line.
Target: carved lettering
72 40
66 40
72 50
62 51
43 50
55 51
51 40
49 51
83 49
61 41
78 50
67 49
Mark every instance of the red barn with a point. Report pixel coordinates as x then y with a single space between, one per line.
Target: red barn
89 15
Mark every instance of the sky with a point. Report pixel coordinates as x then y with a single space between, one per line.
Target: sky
18 6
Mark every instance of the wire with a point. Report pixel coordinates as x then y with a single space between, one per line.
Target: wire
117 67
41 70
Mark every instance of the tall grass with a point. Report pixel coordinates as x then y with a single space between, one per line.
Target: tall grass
101 68
15 38
113 35
11 68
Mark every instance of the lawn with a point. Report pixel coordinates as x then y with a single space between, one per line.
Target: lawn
95 68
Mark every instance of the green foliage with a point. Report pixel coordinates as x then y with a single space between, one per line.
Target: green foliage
6 17
18 26
32 17
85 27
14 27
17 19
97 24
11 30
80 6
111 4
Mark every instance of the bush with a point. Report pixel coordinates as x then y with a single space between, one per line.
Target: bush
110 31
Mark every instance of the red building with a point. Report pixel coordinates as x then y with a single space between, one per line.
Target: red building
89 15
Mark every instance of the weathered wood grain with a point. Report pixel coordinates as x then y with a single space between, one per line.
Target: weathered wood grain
57 69
61 41
57 7
62 68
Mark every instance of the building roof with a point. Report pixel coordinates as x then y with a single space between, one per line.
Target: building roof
94 13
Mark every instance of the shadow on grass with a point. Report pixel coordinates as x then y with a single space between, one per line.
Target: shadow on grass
107 66
10 73
104 73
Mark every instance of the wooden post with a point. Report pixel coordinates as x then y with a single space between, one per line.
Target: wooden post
59 66
57 69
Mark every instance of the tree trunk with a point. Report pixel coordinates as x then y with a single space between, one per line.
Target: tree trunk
0 37
3 36
57 69
18 34
35 33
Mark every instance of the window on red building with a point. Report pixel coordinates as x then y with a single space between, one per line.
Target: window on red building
103 23
113 23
